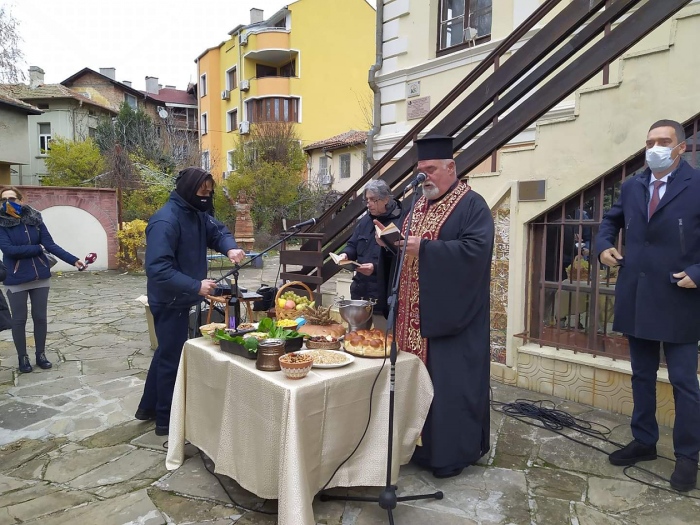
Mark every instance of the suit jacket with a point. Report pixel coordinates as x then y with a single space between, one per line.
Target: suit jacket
647 304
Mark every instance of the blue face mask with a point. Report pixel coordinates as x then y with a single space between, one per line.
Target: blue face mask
9 206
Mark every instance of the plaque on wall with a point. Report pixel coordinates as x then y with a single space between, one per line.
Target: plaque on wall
417 107
532 190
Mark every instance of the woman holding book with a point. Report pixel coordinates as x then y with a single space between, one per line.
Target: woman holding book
362 246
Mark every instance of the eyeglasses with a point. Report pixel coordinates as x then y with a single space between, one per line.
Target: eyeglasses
11 199
371 200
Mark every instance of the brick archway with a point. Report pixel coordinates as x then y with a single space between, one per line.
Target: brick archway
101 203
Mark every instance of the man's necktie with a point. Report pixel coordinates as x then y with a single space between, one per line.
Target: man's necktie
655 198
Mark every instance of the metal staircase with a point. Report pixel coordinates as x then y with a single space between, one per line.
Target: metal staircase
576 44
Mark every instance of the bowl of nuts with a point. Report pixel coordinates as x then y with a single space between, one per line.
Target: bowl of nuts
296 365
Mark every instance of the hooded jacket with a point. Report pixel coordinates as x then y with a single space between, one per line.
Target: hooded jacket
177 238
21 240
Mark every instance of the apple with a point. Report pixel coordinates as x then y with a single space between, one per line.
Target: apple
290 304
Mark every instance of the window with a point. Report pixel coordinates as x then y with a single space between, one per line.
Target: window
323 173
44 138
345 166
205 160
232 120
287 70
262 71
230 162
203 85
273 109
231 79
92 132
458 20
572 296
204 127
131 100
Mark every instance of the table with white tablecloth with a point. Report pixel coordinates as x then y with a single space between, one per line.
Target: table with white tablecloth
281 438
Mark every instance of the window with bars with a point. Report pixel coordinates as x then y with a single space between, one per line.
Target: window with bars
273 109
571 296
463 22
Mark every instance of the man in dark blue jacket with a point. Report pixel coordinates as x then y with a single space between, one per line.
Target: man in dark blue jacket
657 303
177 238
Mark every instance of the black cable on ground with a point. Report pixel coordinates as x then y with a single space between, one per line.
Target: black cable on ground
260 511
554 420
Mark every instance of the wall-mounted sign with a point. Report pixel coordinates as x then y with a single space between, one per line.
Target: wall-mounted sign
413 89
417 107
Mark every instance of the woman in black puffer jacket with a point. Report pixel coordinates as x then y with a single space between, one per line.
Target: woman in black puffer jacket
23 238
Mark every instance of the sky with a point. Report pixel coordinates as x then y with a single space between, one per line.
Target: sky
139 38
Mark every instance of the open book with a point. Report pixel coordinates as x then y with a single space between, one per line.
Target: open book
342 262
389 234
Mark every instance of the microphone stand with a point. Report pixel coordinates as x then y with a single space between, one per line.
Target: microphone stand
388 499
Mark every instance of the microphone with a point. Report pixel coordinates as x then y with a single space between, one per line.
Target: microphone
309 222
420 179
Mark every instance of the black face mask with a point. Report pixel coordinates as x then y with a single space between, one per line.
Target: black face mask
201 203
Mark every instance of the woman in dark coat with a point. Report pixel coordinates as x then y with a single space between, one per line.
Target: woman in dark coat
23 238
363 248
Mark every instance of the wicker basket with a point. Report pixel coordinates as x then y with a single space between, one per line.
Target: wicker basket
322 345
287 313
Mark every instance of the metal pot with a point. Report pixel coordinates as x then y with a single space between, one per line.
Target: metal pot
357 313
269 353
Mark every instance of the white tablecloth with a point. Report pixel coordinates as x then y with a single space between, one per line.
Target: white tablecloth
282 439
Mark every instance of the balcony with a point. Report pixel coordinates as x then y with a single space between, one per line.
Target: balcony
268 45
266 86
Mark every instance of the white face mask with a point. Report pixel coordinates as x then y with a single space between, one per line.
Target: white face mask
659 158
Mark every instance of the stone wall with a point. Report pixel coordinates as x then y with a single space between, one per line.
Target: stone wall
499 280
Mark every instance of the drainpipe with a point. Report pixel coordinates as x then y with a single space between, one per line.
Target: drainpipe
379 37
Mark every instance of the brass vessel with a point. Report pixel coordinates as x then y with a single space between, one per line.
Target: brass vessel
269 353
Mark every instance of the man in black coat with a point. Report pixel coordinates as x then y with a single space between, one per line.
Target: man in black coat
657 303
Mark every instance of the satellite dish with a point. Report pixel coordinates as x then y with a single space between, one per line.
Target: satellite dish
162 113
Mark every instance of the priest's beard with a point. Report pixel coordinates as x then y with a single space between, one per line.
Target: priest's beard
431 192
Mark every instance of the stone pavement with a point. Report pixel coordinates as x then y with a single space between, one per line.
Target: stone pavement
72 453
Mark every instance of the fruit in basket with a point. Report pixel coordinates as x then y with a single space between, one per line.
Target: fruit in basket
297 301
319 322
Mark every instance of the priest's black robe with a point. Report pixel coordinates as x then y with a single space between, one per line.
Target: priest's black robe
454 291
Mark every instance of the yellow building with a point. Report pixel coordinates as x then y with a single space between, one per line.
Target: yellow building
307 63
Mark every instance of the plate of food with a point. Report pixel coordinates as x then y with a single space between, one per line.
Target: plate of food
328 358
248 326
368 343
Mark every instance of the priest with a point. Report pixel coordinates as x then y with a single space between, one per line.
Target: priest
443 309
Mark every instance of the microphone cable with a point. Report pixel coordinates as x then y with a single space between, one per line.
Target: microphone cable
544 414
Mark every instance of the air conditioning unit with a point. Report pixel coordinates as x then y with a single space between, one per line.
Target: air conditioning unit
244 127
225 94
244 85
244 39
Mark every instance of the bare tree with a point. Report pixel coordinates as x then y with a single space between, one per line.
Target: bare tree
10 53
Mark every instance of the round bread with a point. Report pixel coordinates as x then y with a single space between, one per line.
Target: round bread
368 343
335 329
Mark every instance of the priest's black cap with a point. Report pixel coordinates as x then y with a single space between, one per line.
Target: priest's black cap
433 147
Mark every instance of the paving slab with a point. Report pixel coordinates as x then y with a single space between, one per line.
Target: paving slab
70 465
15 415
9 484
134 508
19 452
48 504
124 468
185 510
